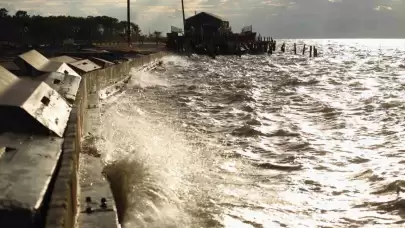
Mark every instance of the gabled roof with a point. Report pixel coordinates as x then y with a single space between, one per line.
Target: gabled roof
216 16
205 13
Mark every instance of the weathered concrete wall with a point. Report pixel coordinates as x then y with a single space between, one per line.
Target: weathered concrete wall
64 205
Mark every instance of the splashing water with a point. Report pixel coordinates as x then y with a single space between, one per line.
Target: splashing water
263 141
157 161
146 79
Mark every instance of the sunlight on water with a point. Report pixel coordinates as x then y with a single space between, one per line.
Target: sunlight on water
264 141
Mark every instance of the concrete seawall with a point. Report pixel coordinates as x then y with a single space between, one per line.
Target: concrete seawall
78 186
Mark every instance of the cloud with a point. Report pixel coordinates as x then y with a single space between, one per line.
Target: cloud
277 18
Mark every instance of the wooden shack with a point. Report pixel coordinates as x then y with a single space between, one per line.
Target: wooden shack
206 23
206 33
206 28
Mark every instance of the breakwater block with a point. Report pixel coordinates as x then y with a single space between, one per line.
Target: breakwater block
66 85
27 164
31 106
32 63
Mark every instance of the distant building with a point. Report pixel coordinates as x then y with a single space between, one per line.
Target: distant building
203 23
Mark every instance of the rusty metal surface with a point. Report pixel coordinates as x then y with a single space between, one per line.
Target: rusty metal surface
67 85
64 59
85 65
36 98
27 165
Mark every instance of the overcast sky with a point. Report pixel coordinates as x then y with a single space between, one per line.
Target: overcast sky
277 18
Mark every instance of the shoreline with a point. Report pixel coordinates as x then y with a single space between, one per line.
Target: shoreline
47 147
98 185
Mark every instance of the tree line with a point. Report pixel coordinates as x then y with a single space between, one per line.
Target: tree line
22 28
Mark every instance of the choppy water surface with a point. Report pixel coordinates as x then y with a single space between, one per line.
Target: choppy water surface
198 135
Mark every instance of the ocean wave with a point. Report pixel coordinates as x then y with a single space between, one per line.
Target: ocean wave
247 131
278 166
252 112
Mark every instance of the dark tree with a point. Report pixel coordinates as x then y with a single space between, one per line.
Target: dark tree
23 28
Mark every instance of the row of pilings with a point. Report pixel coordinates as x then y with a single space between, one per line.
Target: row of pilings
268 45
234 45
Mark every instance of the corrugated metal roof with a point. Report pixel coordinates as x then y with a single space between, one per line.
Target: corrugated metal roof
27 166
36 98
67 85
85 65
64 59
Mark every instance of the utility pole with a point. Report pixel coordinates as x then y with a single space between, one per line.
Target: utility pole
129 23
184 17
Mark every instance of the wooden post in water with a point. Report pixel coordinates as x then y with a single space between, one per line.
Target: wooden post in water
283 47
271 47
315 52
295 48
303 50
274 45
310 51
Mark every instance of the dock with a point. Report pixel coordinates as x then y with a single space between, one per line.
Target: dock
209 34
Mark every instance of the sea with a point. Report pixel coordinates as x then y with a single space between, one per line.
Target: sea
264 141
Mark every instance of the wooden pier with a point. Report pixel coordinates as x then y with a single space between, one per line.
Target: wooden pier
208 34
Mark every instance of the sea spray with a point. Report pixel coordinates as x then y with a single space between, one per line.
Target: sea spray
149 164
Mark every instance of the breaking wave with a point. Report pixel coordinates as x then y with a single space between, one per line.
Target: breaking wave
262 141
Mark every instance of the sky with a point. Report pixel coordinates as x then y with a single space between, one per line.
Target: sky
276 18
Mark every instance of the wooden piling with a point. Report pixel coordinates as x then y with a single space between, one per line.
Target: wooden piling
274 45
271 47
315 52
295 48
310 51
303 50
283 47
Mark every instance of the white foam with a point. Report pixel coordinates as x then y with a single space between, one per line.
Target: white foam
146 79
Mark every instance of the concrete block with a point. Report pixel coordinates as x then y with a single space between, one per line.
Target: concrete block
26 169
34 103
